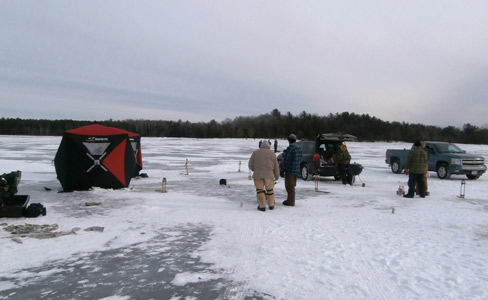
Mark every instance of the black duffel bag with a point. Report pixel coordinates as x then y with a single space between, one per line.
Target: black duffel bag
35 210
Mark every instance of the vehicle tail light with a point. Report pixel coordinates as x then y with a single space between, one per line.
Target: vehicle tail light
316 157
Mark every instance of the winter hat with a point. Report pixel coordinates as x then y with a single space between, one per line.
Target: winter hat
265 144
417 144
292 138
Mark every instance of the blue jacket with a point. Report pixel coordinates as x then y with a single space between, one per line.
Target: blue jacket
292 156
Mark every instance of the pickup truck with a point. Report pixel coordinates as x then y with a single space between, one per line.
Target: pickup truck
444 158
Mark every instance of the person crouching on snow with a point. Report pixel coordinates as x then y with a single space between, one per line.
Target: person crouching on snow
266 170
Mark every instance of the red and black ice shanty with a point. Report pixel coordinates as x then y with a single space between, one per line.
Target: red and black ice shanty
98 156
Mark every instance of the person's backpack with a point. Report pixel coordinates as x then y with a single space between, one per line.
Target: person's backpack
35 210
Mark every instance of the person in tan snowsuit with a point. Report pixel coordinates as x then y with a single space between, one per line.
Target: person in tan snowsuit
266 170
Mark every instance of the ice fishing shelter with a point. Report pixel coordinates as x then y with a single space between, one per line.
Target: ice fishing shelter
97 156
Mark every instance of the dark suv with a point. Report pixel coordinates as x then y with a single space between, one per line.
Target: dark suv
316 155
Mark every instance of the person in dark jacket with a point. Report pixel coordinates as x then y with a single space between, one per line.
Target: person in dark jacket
415 166
426 186
342 159
292 156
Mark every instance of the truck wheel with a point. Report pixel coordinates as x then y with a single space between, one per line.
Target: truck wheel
473 176
395 166
443 171
304 172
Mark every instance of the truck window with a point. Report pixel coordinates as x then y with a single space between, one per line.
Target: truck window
442 148
454 149
448 148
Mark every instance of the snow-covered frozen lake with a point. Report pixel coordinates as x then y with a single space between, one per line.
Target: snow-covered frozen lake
201 240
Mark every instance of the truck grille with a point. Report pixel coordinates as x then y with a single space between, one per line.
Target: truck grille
473 162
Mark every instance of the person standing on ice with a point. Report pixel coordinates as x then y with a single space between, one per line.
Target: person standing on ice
266 170
292 156
415 166
426 186
342 159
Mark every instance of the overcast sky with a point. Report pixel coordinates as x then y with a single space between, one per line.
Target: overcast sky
414 61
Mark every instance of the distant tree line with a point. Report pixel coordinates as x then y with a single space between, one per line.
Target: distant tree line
269 125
